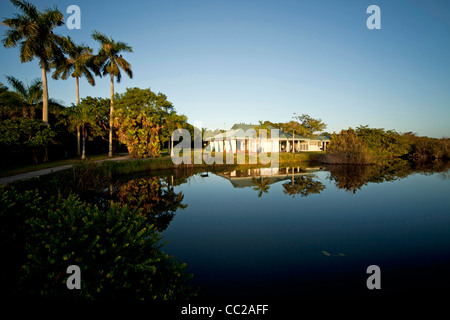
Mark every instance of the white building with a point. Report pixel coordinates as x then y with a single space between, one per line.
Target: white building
245 138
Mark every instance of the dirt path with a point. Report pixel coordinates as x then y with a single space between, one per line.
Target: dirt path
37 173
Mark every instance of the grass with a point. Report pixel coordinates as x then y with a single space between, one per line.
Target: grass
11 171
161 163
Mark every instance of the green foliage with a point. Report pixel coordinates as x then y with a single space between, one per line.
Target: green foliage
347 148
425 148
384 143
25 133
109 60
118 252
142 119
310 124
79 62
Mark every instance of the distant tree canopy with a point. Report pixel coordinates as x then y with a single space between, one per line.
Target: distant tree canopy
365 144
303 125
384 143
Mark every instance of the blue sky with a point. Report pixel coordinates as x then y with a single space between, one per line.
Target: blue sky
223 62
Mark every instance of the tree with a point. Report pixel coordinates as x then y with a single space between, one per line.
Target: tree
310 124
144 117
30 95
25 133
87 115
173 121
110 61
347 148
78 63
32 31
295 128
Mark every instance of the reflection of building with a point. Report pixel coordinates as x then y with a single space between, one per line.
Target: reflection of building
247 177
244 138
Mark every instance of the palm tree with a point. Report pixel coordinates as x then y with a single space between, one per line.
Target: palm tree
84 116
32 31
261 185
78 63
110 61
30 95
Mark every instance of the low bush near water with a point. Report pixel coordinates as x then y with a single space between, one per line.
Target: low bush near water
118 251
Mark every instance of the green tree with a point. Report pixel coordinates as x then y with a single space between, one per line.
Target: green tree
30 95
144 119
32 31
110 61
310 124
88 116
347 148
78 63
384 143
27 134
295 128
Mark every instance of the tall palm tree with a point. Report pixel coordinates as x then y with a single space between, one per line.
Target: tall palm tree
110 61
30 95
78 63
32 31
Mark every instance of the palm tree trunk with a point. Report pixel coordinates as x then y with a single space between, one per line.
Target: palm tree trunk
44 96
78 127
45 106
111 112
78 140
78 90
83 155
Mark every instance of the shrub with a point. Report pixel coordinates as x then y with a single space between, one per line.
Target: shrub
118 253
347 148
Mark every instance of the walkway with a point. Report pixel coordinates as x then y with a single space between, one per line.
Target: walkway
37 173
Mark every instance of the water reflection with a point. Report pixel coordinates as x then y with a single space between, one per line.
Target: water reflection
303 186
353 178
259 179
156 198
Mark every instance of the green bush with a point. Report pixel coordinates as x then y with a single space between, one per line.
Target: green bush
118 252
347 148
384 143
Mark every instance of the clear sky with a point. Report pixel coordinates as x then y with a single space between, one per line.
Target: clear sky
224 62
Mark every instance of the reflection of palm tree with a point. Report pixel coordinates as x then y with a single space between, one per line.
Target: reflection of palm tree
261 185
304 186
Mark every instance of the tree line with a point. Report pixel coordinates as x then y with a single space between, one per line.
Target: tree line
143 128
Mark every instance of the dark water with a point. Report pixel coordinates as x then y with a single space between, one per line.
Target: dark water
313 233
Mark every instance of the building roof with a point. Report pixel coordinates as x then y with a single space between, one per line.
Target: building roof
238 130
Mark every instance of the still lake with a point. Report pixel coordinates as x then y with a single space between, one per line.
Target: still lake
311 232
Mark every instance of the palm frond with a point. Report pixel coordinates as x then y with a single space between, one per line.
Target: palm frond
26 7
100 37
17 85
125 66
